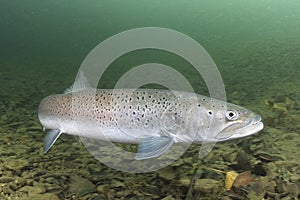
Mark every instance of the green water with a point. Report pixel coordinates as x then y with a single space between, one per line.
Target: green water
255 44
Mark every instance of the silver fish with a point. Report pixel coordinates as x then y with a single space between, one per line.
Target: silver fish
154 119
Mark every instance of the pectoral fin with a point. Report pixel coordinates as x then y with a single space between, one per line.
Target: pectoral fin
151 147
50 139
206 147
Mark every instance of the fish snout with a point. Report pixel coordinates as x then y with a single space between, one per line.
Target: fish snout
257 119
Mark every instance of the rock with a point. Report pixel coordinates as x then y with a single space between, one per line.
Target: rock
33 190
242 179
151 190
6 190
102 188
167 173
269 157
48 196
243 161
16 164
230 157
52 187
205 186
293 190
81 186
96 196
208 186
116 183
6 179
17 184
169 197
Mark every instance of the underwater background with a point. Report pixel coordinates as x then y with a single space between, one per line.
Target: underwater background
255 44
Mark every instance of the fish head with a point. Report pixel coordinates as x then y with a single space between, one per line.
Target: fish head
226 121
46 112
237 122
55 110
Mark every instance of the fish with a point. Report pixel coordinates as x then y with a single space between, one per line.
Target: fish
155 119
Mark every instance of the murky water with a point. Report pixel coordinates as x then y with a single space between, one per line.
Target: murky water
256 46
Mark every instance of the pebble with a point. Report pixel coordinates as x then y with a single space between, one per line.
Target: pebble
205 186
16 164
101 188
33 190
48 196
81 186
17 183
6 179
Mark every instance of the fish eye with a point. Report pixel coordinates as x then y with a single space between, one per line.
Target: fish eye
231 115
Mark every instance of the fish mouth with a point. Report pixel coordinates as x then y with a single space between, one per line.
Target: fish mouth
257 124
240 129
256 120
253 127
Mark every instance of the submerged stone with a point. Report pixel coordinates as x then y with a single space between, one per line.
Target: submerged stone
81 186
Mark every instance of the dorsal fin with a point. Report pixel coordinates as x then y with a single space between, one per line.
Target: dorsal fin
81 83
